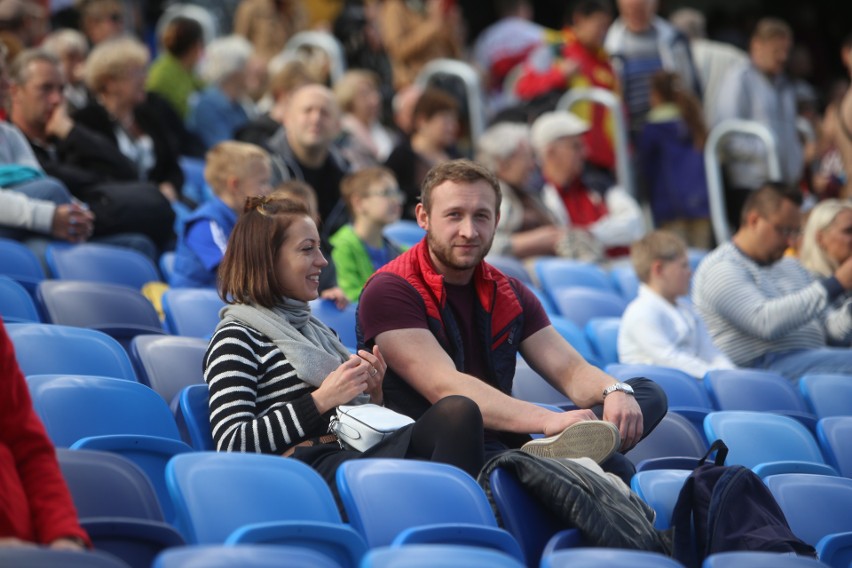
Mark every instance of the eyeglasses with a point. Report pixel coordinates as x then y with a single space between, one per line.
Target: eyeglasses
786 232
389 193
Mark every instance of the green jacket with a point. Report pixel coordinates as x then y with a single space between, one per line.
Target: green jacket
352 262
169 79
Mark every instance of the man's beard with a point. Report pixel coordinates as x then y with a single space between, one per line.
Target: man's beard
444 254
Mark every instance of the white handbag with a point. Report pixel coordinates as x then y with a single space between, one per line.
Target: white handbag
363 426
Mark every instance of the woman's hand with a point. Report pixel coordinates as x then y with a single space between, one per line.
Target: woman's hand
342 385
376 373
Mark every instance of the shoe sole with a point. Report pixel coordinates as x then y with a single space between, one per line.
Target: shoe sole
593 439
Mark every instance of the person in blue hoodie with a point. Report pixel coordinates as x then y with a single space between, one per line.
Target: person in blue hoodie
234 171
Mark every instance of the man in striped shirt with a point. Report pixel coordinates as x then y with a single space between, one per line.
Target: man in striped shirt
764 309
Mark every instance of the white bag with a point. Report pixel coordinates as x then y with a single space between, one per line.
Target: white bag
363 426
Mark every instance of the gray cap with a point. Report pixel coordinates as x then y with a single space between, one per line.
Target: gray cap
554 125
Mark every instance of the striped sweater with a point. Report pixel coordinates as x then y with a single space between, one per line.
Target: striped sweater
257 403
751 310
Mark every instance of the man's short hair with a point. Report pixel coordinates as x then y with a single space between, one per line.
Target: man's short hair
771 28
247 272
457 171
232 159
656 245
360 183
767 200
585 8
19 70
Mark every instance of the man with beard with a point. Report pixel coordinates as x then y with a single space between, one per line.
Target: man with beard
766 310
449 323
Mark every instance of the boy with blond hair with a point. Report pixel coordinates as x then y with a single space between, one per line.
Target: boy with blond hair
374 201
660 327
234 171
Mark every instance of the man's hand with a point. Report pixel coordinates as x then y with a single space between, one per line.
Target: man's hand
72 222
336 295
622 410
556 422
60 124
72 544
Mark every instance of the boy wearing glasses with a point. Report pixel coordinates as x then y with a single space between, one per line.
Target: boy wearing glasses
765 310
374 201
660 327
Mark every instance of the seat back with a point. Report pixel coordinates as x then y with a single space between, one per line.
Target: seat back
754 559
193 416
384 497
827 395
815 505
44 557
49 349
606 557
834 434
674 436
582 304
603 337
754 438
625 281
75 407
510 266
555 273
404 233
530 386
682 390
16 303
192 312
438 556
19 263
118 311
104 484
168 363
244 556
167 265
660 488
752 389
101 263
574 335
341 321
215 493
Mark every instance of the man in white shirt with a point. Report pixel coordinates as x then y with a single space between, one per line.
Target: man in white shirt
660 327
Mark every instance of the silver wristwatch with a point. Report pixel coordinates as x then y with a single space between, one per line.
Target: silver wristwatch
623 387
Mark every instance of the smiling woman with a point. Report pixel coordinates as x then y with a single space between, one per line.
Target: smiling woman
276 373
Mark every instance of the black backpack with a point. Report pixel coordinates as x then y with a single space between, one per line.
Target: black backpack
726 508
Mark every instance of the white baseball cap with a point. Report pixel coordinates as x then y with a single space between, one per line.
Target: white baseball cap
554 125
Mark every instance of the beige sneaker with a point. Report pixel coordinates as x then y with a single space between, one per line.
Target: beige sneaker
593 439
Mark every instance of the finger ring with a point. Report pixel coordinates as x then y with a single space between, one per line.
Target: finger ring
373 372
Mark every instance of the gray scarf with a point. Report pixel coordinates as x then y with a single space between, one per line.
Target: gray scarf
308 344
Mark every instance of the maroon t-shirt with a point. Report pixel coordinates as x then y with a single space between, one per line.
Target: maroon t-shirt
390 303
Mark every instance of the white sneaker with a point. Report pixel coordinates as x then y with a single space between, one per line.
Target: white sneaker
593 439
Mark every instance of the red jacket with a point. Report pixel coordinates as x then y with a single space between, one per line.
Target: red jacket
35 504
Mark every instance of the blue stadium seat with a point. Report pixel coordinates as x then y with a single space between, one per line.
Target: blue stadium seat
101 263
20 264
243 556
625 281
603 337
167 265
556 273
192 312
530 386
533 526
437 556
819 511
100 413
827 395
46 349
341 321
767 443
582 304
118 311
239 498
510 266
117 505
606 558
686 395
574 335
660 488
193 417
404 233
752 389
168 363
43 557
754 559
835 438
673 443
16 303
396 501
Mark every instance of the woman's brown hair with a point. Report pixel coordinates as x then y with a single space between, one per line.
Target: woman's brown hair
669 87
247 272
